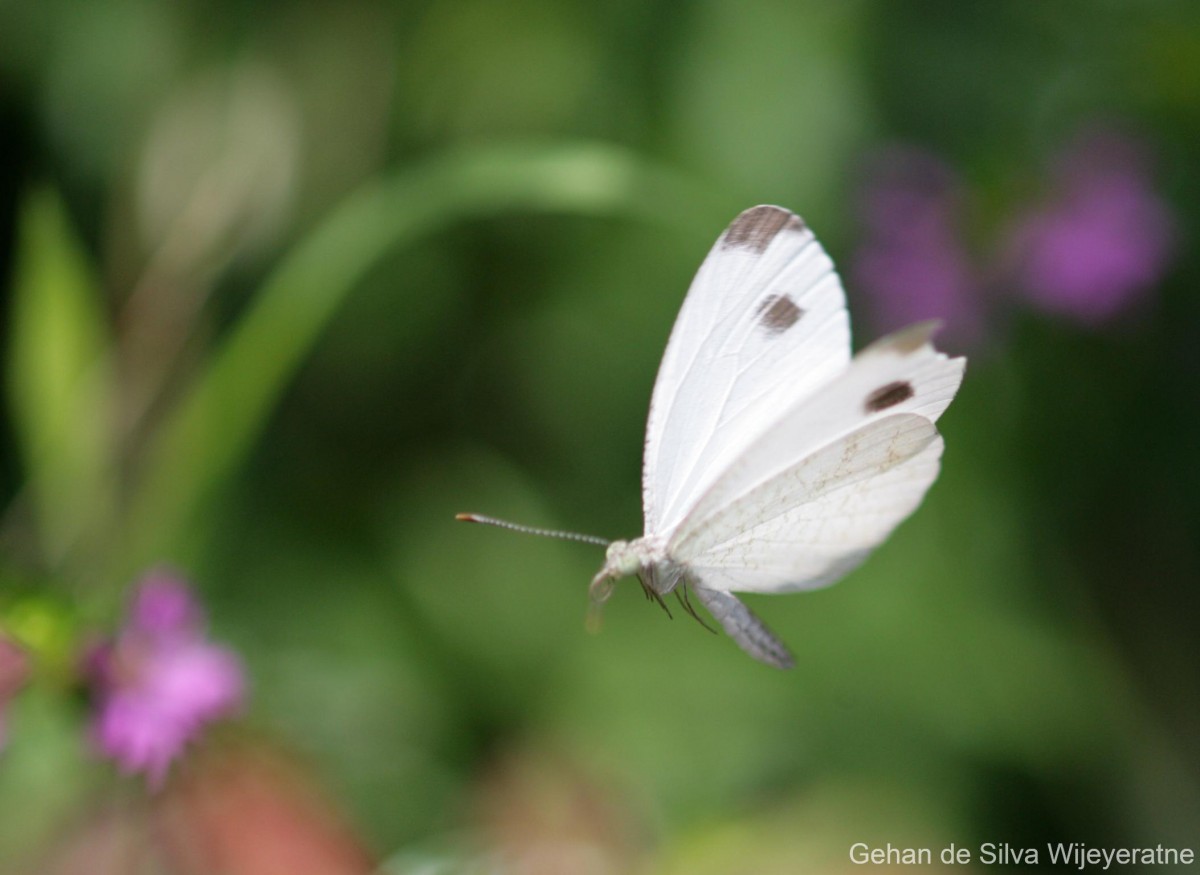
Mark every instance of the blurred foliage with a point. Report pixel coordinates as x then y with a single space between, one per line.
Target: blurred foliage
288 285
61 383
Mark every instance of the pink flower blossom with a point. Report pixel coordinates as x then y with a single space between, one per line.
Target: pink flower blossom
912 264
1102 239
160 682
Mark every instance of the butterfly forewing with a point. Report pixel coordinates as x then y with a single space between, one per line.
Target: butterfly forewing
764 324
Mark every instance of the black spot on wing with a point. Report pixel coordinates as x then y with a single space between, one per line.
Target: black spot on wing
757 227
888 396
777 313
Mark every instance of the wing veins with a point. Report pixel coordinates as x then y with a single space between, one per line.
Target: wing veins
834 484
828 318
719 410
724 314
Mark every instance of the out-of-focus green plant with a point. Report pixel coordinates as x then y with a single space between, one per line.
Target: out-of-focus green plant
61 384
62 369
223 412
377 316
100 514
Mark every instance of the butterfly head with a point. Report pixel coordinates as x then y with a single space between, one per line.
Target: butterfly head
623 559
620 560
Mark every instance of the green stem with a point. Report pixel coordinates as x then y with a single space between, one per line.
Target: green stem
215 424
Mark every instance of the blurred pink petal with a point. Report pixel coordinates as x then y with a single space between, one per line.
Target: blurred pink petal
160 683
164 605
911 264
1101 241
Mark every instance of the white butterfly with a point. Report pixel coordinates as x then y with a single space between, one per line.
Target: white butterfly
774 461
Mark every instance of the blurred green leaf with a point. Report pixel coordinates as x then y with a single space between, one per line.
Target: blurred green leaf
216 424
47 629
45 761
61 381
771 99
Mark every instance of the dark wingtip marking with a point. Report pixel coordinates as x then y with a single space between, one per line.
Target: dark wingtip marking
888 396
757 227
777 313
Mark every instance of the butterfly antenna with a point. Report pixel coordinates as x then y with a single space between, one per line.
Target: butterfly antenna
529 530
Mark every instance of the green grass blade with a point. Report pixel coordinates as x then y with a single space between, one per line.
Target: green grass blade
215 425
60 384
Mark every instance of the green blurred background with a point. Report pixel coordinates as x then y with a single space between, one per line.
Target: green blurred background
289 284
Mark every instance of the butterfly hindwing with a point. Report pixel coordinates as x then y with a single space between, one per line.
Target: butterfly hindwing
901 373
764 324
809 498
812 523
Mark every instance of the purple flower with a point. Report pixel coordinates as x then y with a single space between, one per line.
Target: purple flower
1103 238
912 264
160 682
14 671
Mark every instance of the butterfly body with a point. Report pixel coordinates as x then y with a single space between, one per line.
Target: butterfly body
644 558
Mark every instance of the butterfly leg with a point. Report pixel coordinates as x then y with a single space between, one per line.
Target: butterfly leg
652 595
750 633
681 593
654 587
